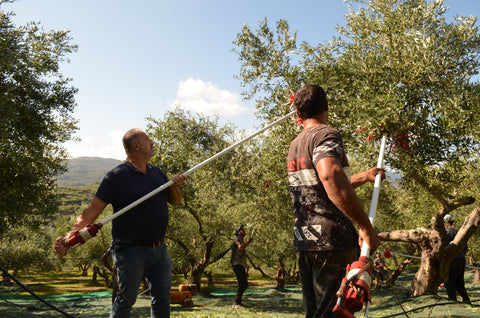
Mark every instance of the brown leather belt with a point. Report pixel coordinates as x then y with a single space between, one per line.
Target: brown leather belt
151 245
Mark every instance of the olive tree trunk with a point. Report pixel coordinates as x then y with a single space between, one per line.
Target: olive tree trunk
436 255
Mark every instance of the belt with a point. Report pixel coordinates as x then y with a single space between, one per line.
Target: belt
151 245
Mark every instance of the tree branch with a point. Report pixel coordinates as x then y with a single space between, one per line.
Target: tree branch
220 255
437 219
407 236
258 268
459 202
188 253
433 190
470 225
197 219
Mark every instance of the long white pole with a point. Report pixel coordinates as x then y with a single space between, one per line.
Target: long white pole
170 182
373 205
375 195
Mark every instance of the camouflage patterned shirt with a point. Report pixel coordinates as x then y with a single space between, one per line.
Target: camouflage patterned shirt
319 224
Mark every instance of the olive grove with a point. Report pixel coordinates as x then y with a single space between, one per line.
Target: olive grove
397 68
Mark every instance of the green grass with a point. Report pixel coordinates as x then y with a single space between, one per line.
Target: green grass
58 283
265 299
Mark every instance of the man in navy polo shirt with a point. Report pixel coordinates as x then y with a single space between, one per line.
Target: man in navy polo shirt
138 248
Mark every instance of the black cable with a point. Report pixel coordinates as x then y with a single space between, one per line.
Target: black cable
35 295
426 306
12 303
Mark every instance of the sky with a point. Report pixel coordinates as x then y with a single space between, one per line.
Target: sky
139 59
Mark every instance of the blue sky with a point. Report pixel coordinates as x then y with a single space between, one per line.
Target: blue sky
139 58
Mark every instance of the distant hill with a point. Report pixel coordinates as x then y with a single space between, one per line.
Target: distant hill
84 171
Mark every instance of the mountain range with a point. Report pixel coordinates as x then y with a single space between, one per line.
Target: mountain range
84 171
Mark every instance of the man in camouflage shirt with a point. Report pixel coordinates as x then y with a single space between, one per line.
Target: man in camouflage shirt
324 204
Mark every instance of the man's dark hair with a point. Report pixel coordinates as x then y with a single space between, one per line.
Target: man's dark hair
310 100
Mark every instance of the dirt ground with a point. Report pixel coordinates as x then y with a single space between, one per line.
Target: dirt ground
263 299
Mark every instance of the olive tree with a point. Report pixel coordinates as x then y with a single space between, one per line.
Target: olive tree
214 199
37 103
397 68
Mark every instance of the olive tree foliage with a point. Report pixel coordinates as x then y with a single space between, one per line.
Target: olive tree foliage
83 256
270 214
36 104
89 254
398 68
23 248
215 199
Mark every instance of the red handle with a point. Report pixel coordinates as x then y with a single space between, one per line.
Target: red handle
83 235
342 312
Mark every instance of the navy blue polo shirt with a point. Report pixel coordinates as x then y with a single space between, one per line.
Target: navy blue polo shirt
146 222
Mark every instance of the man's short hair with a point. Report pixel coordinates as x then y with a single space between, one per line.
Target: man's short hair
129 138
310 100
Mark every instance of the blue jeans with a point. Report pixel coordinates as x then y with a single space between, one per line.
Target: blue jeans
134 263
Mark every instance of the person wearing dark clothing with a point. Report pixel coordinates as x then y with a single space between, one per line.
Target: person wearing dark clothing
238 261
379 266
325 205
456 281
138 249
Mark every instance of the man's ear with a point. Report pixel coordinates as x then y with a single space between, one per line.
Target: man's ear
136 145
326 105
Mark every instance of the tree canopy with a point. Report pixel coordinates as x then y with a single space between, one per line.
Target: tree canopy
236 188
36 110
200 227
398 68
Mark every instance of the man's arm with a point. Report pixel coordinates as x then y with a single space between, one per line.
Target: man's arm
242 246
88 216
366 176
341 193
175 194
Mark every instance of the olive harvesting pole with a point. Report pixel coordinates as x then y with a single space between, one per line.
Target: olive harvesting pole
90 230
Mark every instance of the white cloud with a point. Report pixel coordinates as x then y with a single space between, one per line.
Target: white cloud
98 146
208 99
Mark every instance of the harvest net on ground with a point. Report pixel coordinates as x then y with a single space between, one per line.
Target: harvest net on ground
265 301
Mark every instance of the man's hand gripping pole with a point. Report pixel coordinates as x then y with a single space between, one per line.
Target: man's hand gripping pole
83 235
355 288
89 231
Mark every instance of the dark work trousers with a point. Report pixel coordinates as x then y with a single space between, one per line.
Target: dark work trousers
322 273
456 282
242 279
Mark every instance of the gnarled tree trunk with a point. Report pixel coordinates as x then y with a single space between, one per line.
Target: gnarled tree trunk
198 266
436 256
474 263
397 271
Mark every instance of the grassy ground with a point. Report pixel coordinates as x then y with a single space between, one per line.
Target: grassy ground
81 297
